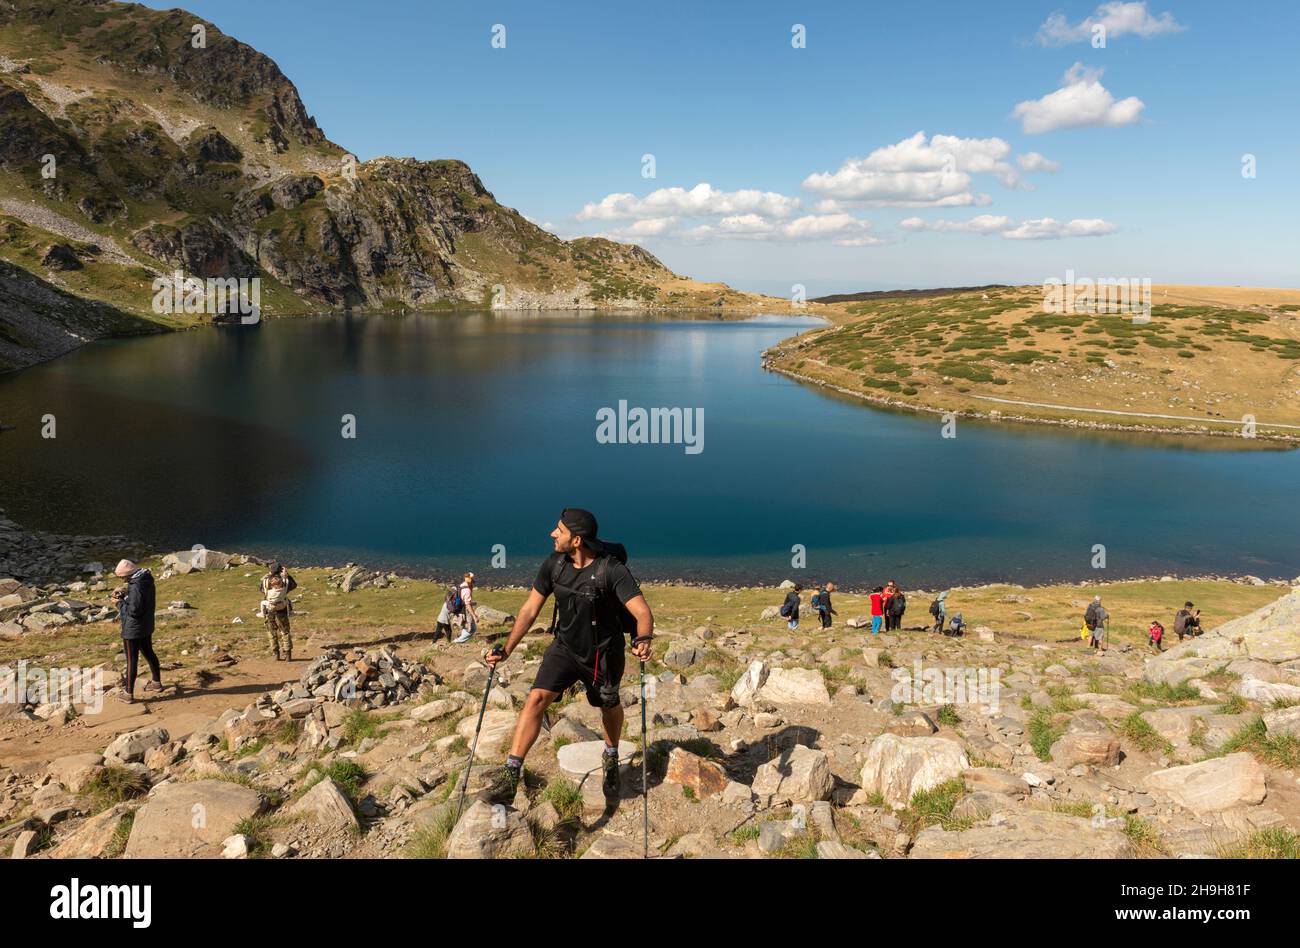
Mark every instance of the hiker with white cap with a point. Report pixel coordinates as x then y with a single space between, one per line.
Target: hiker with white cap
135 607
468 617
1095 619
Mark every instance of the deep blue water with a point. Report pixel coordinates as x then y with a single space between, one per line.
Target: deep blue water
475 430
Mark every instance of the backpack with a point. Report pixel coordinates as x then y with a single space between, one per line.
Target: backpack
816 601
935 608
1090 616
787 608
603 587
455 604
277 591
897 604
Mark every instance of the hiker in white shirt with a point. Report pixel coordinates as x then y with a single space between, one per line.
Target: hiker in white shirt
468 618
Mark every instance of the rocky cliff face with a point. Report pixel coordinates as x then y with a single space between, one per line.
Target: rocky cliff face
157 155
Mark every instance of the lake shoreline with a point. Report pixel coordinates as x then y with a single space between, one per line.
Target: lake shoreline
993 416
41 547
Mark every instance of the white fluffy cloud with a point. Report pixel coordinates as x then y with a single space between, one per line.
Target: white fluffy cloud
843 229
701 200
1117 19
1042 228
918 172
1034 162
1081 102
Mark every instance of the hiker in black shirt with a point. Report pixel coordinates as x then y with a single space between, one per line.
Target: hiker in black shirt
592 588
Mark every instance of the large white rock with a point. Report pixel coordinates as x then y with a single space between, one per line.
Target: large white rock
785 686
183 820
1212 785
579 760
1270 634
748 684
132 746
800 775
1283 721
490 831
897 767
1266 692
498 729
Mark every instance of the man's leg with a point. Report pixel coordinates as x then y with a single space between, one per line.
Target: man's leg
612 721
529 724
288 637
272 635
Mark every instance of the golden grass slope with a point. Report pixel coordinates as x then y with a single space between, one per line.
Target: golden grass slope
1208 360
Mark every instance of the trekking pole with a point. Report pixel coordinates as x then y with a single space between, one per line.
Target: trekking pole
464 785
645 783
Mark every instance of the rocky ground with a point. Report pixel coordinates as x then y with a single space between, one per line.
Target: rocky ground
763 743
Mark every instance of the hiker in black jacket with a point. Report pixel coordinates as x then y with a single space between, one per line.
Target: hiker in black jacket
135 607
897 606
823 603
592 586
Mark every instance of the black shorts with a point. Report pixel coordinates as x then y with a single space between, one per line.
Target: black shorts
560 670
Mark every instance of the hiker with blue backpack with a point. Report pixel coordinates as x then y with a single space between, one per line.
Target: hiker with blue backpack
821 601
597 602
790 608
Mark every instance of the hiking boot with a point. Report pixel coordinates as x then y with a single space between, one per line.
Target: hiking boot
153 686
504 785
609 764
463 638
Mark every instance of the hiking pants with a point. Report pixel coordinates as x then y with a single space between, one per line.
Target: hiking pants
134 648
826 618
277 628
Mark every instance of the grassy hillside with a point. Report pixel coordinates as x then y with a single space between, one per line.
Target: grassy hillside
1208 357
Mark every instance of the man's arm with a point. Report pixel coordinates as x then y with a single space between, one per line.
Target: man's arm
523 622
292 583
645 626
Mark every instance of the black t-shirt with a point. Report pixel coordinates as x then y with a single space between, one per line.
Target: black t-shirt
586 619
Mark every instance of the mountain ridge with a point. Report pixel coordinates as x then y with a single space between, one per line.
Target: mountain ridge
206 160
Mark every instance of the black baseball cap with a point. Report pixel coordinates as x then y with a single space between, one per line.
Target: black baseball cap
582 523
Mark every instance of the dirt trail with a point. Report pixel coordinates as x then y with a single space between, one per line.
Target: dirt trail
31 745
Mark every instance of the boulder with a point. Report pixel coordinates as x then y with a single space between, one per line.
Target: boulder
614 847
327 805
703 776
897 767
75 771
1266 692
490 831
580 760
832 849
995 780
799 775
1283 721
184 820
786 686
1094 748
1026 834
132 746
1212 786
498 729
95 837
435 709
748 685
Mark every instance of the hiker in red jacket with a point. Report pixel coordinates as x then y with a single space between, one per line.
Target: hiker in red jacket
877 609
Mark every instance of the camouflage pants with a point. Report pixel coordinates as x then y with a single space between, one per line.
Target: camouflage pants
277 627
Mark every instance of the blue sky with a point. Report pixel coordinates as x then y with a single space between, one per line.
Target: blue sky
1140 143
